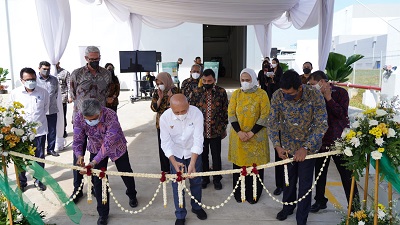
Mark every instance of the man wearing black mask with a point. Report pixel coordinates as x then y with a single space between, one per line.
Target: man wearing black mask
212 101
89 81
307 68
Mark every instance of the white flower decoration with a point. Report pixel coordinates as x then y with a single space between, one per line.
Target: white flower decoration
355 142
381 214
379 141
8 120
31 137
376 155
24 138
345 132
360 115
373 123
361 223
1 136
19 132
348 152
391 133
355 125
380 112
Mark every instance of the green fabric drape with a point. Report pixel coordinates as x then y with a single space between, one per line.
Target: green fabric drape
18 200
388 171
72 211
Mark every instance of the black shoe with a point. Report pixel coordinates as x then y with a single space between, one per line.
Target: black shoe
79 195
205 183
217 185
65 134
278 191
40 186
252 201
201 214
23 187
317 206
133 202
53 153
102 220
282 215
180 222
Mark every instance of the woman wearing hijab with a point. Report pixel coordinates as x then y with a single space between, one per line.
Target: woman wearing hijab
160 103
248 141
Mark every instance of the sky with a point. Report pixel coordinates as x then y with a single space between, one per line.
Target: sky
280 37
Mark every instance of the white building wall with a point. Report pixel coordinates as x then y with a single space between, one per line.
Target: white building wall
393 44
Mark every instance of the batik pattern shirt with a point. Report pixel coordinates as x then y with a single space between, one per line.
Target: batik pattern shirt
64 79
302 123
106 139
85 85
188 86
164 105
213 104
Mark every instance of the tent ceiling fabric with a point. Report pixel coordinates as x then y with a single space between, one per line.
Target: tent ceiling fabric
221 12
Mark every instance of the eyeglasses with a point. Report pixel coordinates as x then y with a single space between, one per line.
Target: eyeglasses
92 60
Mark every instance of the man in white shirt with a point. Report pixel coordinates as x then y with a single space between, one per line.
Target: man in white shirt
182 139
36 105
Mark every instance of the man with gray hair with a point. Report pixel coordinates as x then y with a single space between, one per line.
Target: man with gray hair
191 83
103 131
89 81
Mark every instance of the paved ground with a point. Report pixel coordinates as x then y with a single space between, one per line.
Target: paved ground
138 123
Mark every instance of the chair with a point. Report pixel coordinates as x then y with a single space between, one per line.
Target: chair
146 87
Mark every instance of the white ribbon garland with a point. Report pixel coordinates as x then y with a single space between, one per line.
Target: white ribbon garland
180 192
164 186
104 190
286 175
89 187
243 187
254 186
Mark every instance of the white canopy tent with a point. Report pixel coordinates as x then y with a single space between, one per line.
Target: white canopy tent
55 18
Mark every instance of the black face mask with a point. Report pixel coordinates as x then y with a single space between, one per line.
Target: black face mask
111 71
94 64
306 70
208 86
266 67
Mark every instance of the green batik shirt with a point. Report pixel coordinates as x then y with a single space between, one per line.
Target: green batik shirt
302 123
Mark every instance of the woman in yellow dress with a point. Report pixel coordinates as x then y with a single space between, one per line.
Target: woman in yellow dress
248 140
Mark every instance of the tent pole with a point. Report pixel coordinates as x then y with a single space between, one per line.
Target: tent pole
9 46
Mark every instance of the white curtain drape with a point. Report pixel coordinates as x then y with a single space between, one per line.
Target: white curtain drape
325 32
264 38
135 24
55 26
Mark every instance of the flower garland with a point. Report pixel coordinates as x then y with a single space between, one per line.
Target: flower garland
254 173
88 179
243 175
163 180
286 173
181 184
103 178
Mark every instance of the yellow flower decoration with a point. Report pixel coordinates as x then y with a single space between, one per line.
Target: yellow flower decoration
359 133
360 215
376 131
381 207
381 150
350 135
2 109
32 150
371 112
18 105
383 128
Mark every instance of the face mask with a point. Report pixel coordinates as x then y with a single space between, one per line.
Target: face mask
289 97
273 65
265 67
195 75
245 86
30 84
161 87
181 117
317 86
45 73
306 70
208 86
92 123
94 64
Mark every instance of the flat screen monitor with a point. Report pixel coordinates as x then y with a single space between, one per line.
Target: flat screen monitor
137 61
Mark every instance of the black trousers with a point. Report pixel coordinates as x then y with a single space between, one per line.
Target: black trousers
77 176
164 161
65 117
123 165
249 185
345 176
279 176
215 145
303 173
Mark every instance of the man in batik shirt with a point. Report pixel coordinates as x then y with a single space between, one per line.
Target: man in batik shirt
191 83
212 101
89 81
299 112
105 140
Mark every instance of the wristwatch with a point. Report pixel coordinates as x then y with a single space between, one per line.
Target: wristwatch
306 148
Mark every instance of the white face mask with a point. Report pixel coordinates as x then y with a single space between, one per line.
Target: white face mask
245 85
195 75
30 84
273 65
317 86
161 87
181 117
92 123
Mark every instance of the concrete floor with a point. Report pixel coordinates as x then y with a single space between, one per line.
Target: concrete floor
138 123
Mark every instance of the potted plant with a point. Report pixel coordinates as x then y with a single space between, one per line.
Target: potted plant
3 78
338 68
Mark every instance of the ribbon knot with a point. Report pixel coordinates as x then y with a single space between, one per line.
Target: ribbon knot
254 170
88 170
244 171
163 178
102 173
